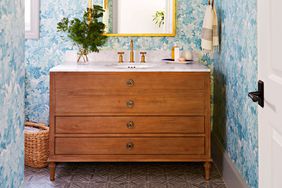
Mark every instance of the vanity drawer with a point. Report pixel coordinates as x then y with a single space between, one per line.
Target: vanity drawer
192 103
128 146
133 124
87 84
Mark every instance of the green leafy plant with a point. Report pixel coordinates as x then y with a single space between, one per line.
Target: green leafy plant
87 33
159 18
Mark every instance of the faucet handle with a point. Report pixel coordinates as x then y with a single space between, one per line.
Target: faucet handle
143 58
120 58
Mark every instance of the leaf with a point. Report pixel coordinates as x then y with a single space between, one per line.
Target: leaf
159 18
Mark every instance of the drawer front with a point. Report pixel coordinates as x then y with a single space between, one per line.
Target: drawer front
135 125
130 146
192 103
82 84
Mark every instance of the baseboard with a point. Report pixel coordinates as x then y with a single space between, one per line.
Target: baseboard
226 167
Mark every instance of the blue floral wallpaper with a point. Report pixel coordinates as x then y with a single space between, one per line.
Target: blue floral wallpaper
235 74
11 93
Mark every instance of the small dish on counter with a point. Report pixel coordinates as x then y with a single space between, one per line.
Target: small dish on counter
169 60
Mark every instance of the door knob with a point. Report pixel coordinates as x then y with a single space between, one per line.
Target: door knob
258 96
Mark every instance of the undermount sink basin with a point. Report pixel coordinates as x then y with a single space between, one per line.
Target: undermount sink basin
135 65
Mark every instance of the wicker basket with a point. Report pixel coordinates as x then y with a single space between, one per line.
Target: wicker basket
36 145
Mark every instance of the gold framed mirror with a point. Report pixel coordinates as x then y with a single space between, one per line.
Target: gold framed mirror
140 18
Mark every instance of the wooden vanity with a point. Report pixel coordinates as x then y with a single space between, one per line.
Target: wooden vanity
129 117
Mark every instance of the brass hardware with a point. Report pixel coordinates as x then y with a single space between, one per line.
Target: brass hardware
90 7
120 57
130 125
130 83
173 34
143 60
130 104
130 146
131 52
106 3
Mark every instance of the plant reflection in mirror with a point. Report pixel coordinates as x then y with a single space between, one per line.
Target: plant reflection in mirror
159 18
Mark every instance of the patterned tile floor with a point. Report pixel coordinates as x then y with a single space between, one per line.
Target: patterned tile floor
124 175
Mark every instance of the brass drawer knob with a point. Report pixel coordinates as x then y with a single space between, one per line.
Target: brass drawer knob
130 104
130 146
130 83
130 125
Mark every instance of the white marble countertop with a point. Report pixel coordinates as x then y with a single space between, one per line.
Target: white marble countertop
134 67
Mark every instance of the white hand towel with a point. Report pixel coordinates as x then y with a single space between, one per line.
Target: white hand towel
210 37
207 31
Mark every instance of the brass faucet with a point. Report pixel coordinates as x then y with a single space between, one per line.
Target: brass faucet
131 52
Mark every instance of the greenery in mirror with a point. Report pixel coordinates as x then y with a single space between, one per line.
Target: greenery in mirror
87 33
159 17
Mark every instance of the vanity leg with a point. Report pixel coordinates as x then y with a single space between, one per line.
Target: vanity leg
207 167
52 168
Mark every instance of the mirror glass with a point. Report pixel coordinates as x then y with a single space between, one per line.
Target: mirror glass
139 17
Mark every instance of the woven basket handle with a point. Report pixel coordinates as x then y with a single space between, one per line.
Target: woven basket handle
37 125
